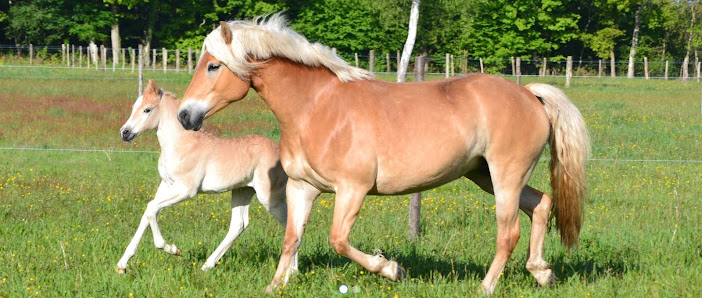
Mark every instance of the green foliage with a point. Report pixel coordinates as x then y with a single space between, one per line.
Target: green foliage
603 41
36 22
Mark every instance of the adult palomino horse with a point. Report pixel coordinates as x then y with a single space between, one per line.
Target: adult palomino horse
195 162
344 132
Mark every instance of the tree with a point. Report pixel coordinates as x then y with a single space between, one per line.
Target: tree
409 44
36 22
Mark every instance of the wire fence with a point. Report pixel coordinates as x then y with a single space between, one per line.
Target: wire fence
77 150
183 60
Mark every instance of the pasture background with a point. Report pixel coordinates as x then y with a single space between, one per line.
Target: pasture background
66 216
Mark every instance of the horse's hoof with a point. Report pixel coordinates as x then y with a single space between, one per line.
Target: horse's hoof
121 270
177 253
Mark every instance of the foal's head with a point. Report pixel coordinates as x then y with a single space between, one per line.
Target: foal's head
215 84
144 115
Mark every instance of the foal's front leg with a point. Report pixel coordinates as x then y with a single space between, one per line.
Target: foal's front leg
241 198
163 194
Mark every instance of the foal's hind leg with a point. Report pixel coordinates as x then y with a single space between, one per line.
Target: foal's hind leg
241 198
537 206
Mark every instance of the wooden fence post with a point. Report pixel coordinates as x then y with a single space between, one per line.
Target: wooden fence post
387 62
123 62
518 68
190 60
164 56
131 58
80 56
569 70
63 53
646 68
31 54
153 61
416 198
599 68
87 56
543 68
371 61
356 56
513 68
103 52
612 67
482 69
666 69
73 56
448 57
453 68
141 68
177 60
397 58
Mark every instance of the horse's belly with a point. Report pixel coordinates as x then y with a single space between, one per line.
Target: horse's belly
422 175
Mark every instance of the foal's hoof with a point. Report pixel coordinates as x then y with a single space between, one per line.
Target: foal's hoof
177 252
121 270
400 273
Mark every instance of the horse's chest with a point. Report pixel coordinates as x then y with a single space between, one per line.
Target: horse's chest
297 167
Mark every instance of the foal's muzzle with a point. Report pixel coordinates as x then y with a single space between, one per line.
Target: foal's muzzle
191 120
127 134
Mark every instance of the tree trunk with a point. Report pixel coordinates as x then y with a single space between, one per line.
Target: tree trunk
634 42
409 44
114 34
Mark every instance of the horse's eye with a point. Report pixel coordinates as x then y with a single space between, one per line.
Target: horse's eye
212 67
147 110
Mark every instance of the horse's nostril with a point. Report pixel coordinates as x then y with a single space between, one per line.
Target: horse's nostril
125 132
184 117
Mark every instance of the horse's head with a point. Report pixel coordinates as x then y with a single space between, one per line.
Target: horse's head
220 78
144 115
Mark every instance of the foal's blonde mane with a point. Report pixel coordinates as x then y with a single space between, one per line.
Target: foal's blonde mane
265 37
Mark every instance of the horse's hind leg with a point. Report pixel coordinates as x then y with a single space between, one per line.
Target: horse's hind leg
241 198
537 206
508 179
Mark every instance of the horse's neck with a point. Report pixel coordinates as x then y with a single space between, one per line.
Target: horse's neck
169 129
291 89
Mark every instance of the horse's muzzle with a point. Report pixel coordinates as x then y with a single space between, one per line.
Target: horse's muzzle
191 121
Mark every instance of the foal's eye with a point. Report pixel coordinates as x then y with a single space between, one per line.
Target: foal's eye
147 110
213 67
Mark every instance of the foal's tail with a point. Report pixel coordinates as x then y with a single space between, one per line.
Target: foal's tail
570 147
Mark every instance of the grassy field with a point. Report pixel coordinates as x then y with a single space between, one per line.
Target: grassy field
67 216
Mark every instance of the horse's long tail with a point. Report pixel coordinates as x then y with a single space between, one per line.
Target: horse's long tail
570 147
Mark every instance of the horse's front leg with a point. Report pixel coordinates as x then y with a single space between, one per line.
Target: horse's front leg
164 193
300 196
241 198
349 200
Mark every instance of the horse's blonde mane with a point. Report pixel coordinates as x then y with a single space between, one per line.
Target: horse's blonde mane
266 37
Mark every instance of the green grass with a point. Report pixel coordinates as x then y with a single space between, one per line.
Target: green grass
66 217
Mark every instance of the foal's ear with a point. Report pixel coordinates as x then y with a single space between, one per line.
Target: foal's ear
226 32
152 87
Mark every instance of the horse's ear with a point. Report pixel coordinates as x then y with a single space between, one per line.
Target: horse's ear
226 32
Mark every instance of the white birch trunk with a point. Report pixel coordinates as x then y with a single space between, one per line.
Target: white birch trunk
116 44
409 44
634 43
